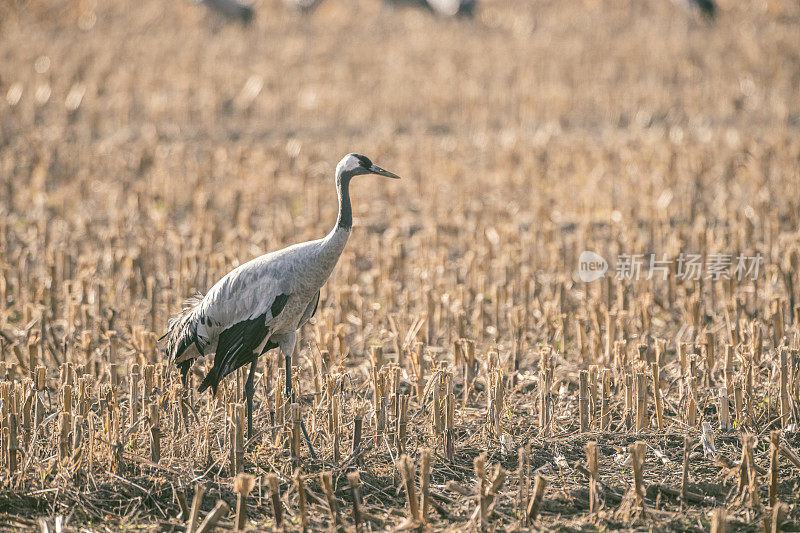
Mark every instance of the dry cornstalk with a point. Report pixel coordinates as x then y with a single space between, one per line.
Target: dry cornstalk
155 433
593 390
656 371
333 505
424 483
774 438
784 388
482 488
438 403
779 512
301 498
354 479
738 404
13 445
402 423
39 385
65 428
376 357
495 400
406 467
77 439
642 417
591 464
334 427
583 400
605 407
237 437
181 497
418 367
219 510
687 449
748 475
729 369
718 520
629 401
468 351
523 485
637 462
539 486
242 486
357 423
724 412
790 454
194 513
449 427
294 416
275 497
545 403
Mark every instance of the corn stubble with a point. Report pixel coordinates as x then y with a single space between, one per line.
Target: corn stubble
457 373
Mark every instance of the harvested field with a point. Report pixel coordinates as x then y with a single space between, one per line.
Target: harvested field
460 373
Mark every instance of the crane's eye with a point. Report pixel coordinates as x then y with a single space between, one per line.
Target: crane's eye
366 163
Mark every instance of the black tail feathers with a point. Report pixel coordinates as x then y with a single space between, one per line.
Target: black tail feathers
181 334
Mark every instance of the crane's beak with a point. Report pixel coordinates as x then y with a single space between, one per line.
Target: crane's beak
375 169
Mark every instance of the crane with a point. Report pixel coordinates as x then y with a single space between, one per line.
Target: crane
231 9
707 7
442 8
261 304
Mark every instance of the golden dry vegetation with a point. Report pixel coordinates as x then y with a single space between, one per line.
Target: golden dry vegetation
148 147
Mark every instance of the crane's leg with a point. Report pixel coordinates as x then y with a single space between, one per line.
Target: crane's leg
288 388
287 349
249 390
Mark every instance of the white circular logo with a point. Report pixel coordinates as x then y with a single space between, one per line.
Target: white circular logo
591 266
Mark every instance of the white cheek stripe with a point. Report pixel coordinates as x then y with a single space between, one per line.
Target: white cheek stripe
349 163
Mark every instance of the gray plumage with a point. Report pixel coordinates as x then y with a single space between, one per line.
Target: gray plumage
231 9
707 7
451 8
261 304
444 8
304 6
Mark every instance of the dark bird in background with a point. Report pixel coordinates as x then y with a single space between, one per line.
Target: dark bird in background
707 7
231 9
444 8
304 6
262 304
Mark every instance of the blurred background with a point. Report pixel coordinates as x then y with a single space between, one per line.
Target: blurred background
520 92
534 111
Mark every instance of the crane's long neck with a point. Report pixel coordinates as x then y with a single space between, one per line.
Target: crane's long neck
345 218
333 244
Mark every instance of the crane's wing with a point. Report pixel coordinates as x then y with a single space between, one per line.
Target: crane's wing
310 311
239 311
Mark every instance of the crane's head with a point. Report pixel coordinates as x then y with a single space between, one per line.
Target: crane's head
355 165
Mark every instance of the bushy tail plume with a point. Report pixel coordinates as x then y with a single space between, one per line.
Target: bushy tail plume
181 336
